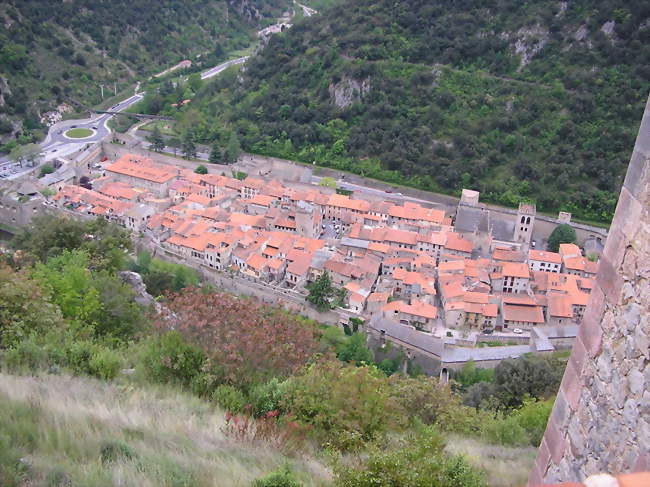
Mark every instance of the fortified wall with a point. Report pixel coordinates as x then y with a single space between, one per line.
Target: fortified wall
601 417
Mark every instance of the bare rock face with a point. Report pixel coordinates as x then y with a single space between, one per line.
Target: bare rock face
4 91
142 297
348 91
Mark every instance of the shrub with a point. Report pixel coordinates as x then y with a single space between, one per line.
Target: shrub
27 355
250 342
169 358
113 451
229 398
425 399
282 477
265 398
79 354
523 426
105 364
418 461
346 405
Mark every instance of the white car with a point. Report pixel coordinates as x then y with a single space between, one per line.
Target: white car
517 331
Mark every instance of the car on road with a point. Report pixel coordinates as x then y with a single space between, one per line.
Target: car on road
54 150
533 244
518 331
94 128
73 126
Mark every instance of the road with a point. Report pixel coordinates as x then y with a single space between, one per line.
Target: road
218 69
57 144
377 192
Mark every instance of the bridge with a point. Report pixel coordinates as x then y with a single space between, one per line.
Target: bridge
128 114
135 115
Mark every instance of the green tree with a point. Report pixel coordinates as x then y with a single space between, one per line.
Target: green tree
28 154
45 170
156 140
187 146
215 153
201 169
233 149
194 82
355 350
107 244
561 234
24 308
321 292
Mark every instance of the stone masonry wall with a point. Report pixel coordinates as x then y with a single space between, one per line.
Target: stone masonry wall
601 417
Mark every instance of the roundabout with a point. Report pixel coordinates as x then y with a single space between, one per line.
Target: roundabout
79 133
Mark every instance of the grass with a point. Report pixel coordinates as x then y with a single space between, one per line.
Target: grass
61 430
505 466
79 133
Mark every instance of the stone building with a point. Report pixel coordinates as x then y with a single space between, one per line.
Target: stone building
601 418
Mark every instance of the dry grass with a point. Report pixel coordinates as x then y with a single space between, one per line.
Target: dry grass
60 426
505 466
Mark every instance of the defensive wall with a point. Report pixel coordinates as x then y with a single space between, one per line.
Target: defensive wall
601 418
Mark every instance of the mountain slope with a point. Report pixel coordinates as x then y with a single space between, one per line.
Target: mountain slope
519 100
52 49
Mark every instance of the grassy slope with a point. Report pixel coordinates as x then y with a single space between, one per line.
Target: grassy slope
505 466
58 426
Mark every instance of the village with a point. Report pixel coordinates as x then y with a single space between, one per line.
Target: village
442 287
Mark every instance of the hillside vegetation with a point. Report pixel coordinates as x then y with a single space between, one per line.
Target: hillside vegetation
62 430
102 385
519 100
53 50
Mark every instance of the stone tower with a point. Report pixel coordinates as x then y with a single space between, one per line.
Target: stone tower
601 417
525 222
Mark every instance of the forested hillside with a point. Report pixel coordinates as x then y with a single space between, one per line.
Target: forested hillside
49 49
516 99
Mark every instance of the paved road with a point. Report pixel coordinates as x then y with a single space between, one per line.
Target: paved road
376 192
57 144
218 69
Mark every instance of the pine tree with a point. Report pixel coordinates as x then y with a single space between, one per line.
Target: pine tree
156 140
188 147
232 149
215 153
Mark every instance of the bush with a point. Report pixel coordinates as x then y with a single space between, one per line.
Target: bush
113 451
347 405
105 364
524 426
282 477
27 355
229 398
169 358
79 354
418 461
265 398
45 170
